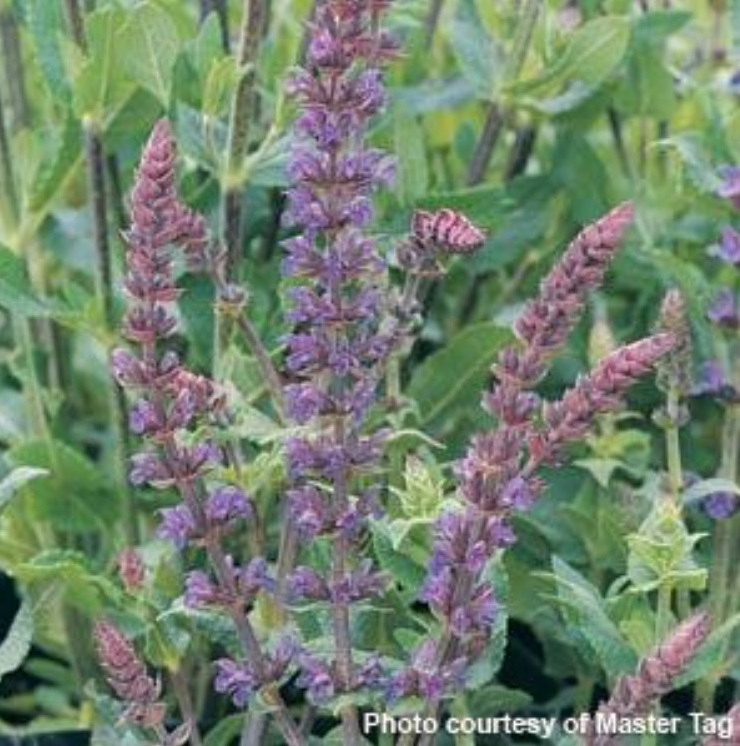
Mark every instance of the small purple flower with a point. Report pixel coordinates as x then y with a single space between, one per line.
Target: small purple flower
177 525
721 505
304 402
730 187
711 379
305 584
235 679
253 578
517 494
309 511
227 504
200 591
148 468
143 418
728 248
723 310
316 677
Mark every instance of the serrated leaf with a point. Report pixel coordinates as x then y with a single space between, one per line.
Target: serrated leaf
56 169
584 608
475 52
84 588
100 86
219 86
412 178
696 162
17 643
593 52
152 45
75 496
454 377
45 27
15 480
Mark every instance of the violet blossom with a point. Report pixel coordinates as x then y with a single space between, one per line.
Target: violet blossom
172 402
497 476
337 345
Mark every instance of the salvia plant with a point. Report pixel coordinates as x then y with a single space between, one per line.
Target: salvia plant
307 435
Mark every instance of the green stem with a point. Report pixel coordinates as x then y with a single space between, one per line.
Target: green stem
722 549
497 114
97 194
673 447
237 145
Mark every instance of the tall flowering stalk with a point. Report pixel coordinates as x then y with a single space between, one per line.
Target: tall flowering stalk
634 696
498 474
336 346
172 403
140 693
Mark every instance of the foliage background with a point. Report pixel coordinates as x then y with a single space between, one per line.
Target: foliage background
610 101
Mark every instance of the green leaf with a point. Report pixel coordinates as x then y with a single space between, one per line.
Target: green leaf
15 480
474 50
413 172
586 616
152 45
697 165
207 45
225 732
219 85
16 294
17 643
100 87
593 53
84 588
56 169
75 496
496 698
423 490
45 28
454 377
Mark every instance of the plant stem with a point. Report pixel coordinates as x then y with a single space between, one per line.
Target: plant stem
673 447
185 703
240 118
95 162
722 548
496 114
13 68
486 145
252 340
432 21
8 195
